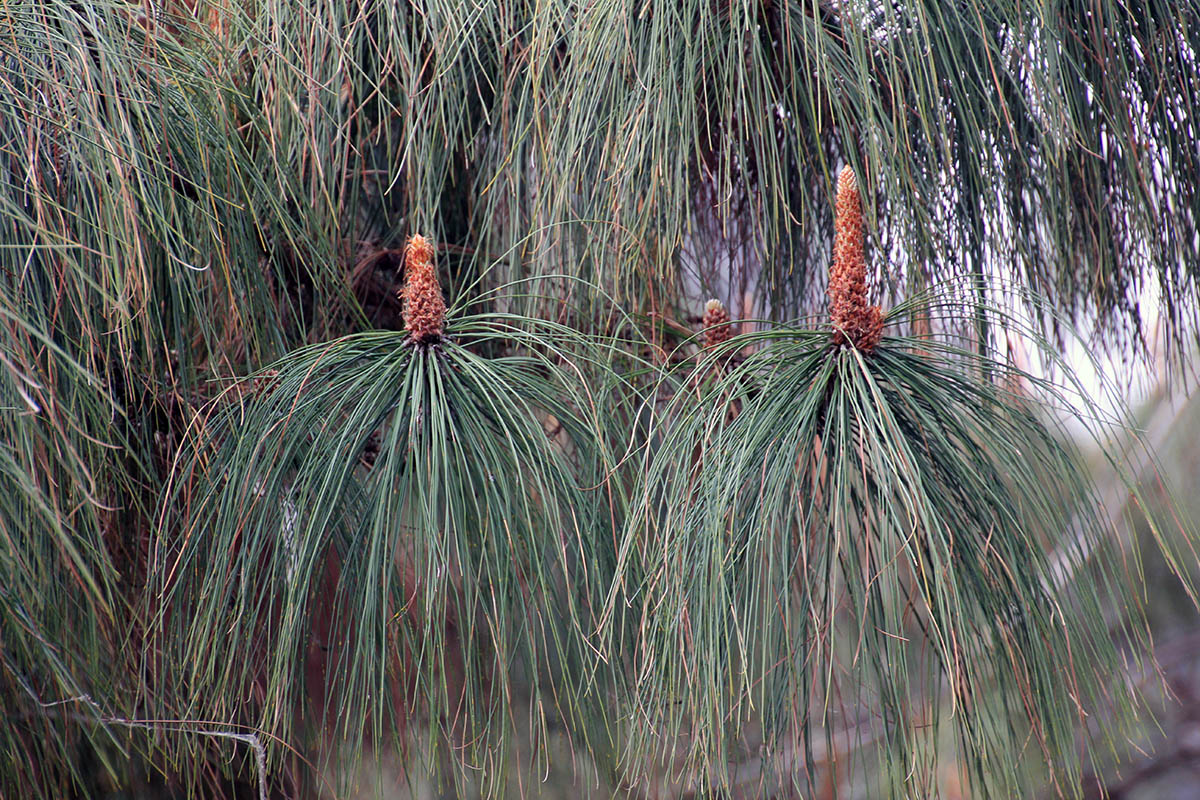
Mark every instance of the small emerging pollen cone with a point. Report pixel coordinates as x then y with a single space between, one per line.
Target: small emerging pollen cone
424 308
854 322
716 324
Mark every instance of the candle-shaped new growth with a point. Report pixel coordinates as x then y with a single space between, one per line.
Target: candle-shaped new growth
716 324
854 322
424 308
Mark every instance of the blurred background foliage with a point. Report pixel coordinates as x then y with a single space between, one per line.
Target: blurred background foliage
255 541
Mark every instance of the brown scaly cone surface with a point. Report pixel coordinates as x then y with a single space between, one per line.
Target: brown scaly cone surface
716 324
424 308
854 322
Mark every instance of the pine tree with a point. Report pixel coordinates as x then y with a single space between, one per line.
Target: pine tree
361 398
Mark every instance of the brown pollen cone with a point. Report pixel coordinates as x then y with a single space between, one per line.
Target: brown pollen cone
716 324
424 308
854 321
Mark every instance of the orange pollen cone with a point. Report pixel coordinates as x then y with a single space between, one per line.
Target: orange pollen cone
855 322
424 308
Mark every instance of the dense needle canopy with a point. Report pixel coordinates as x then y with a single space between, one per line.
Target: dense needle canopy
258 496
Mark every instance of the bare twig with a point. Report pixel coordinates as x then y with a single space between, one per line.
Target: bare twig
250 739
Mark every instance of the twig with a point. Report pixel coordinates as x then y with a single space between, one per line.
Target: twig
251 739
